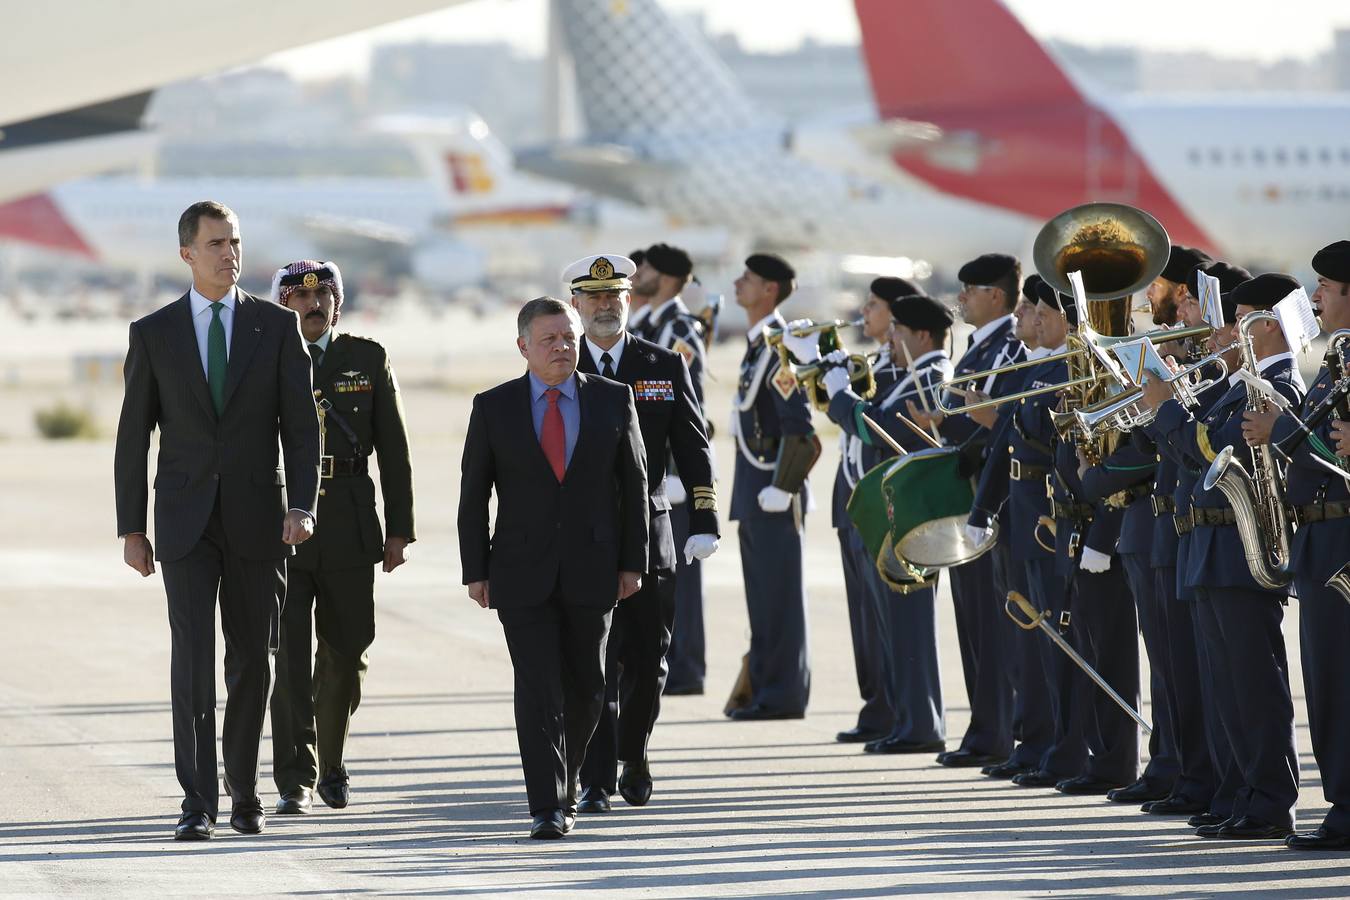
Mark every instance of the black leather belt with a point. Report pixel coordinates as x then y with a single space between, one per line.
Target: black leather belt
1321 512
1163 504
330 466
1020 471
1122 499
1204 516
1078 513
1184 523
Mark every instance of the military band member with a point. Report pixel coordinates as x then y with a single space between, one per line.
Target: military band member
876 717
1321 507
990 287
908 621
1202 789
775 450
671 424
1239 621
330 591
1033 721
638 307
671 325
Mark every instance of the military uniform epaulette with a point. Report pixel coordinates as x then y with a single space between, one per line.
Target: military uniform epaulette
358 337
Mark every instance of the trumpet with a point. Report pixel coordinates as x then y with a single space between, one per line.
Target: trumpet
808 376
774 336
1125 412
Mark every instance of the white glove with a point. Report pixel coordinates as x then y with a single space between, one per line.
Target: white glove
675 491
977 535
836 377
774 500
804 349
699 546
1094 561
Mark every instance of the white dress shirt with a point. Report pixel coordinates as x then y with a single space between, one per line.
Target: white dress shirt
201 320
615 353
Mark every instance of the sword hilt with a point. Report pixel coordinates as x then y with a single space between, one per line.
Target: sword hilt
1033 618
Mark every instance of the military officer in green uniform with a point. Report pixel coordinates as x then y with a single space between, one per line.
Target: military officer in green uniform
331 586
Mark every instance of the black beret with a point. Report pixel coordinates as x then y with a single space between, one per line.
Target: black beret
1229 275
921 313
1333 261
987 269
1031 286
1055 300
1265 290
889 288
669 260
770 267
1181 260
637 256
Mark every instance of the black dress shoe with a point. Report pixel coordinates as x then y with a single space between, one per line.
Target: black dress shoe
334 788
858 736
1212 829
1174 806
1141 791
296 802
593 800
1250 829
892 745
1038 778
1206 819
635 783
1085 785
683 690
247 816
194 826
1005 770
757 713
569 820
967 759
1321 839
549 827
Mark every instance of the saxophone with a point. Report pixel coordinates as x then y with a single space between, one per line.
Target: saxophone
1257 498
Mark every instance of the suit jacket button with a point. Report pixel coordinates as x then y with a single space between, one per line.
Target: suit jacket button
215 476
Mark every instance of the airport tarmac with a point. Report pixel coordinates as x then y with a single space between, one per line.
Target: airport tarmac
89 797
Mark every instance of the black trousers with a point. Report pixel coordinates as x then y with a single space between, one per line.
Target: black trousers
250 593
1034 716
316 707
1107 630
635 675
773 567
1324 627
1051 594
984 635
558 653
686 657
1196 778
867 629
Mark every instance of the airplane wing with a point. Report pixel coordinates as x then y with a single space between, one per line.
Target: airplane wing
52 63
613 170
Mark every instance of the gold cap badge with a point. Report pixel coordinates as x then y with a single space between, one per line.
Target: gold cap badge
311 281
602 269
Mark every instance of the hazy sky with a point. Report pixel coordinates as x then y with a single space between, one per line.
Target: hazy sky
1267 30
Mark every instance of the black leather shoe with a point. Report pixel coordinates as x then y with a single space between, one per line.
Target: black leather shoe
334 788
1174 806
1212 829
296 802
593 800
1005 770
194 826
1249 829
1141 791
1321 839
896 746
759 713
858 736
569 819
635 783
683 690
1038 778
549 827
1206 819
247 816
874 746
1085 785
967 759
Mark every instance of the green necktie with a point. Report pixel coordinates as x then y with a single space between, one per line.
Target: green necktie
215 358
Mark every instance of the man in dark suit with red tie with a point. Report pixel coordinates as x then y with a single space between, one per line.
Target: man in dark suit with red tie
564 453
225 378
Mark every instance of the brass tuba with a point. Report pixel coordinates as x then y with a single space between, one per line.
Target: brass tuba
1119 250
1257 498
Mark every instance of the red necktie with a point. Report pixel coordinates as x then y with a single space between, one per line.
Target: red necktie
553 437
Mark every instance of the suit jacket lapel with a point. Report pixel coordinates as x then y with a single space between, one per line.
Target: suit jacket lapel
585 363
184 342
333 358
627 363
578 448
244 339
525 405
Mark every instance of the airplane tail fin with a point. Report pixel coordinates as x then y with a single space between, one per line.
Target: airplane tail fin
458 153
640 72
950 55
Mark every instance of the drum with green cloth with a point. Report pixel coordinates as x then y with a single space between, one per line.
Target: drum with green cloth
931 500
869 508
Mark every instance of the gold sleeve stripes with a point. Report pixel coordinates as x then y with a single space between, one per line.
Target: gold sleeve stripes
704 497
